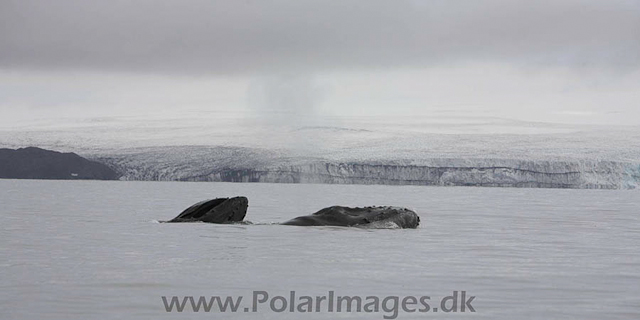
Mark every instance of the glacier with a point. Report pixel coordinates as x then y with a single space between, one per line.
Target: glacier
225 164
434 151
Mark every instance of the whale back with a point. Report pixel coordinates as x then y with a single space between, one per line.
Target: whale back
219 210
348 217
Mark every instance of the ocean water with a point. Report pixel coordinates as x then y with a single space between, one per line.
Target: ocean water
94 250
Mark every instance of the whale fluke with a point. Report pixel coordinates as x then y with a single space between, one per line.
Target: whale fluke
350 217
220 210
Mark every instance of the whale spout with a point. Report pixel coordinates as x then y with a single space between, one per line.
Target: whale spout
220 210
360 217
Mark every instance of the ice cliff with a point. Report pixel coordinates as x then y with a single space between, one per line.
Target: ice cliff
254 165
435 149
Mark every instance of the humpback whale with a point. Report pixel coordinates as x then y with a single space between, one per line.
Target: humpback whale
352 217
230 210
220 210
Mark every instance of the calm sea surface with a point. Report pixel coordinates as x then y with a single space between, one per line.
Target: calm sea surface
94 250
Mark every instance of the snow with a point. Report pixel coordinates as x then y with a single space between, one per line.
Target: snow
440 149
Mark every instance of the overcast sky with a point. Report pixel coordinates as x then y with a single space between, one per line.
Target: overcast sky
563 61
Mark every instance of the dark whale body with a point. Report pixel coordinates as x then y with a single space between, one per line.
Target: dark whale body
220 210
230 210
350 217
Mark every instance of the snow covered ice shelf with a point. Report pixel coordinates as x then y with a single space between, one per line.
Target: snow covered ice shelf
417 150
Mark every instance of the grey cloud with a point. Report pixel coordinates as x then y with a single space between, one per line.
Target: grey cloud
239 37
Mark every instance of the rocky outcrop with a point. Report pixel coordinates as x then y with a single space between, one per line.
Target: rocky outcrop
36 163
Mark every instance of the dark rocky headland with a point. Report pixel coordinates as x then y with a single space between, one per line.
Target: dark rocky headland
36 163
